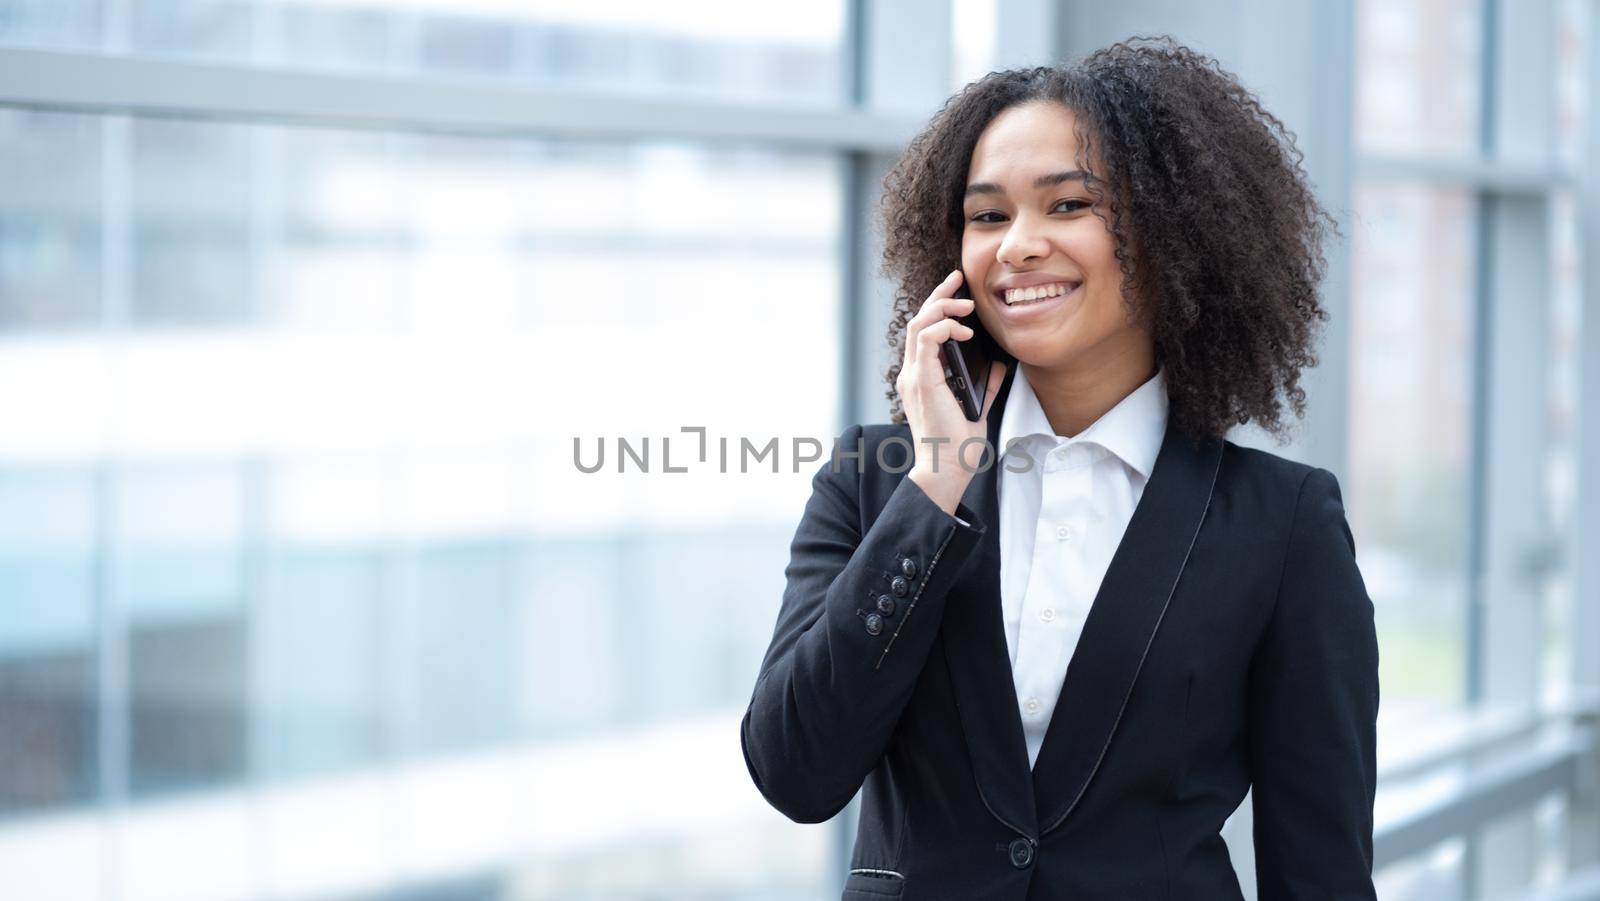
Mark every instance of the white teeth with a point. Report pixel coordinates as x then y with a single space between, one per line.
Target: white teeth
1023 295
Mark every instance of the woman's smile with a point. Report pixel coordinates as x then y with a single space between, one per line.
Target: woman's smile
1015 295
1027 311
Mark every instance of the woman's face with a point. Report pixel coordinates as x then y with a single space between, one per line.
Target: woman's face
1029 224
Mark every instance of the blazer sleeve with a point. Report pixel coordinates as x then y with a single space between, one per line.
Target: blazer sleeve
1313 713
830 691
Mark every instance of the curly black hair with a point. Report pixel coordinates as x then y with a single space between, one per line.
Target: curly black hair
1233 310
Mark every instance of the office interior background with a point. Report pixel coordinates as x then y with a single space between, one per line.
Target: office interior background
304 302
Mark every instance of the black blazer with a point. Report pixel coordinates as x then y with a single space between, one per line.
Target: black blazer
1231 645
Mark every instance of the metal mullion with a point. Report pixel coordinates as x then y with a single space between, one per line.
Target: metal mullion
1472 852
113 724
853 205
1583 818
855 202
1482 248
855 53
884 85
100 83
853 228
1488 176
1510 393
1490 791
1477 442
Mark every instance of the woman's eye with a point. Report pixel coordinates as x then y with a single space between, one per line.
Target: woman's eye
1065 206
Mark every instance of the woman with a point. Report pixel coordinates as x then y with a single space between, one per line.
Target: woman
1056 675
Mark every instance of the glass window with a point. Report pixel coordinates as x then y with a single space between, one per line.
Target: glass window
50 221
1561 432
319 642
322 637
1523 853
48 638
1410 433
789 53
187 696
569 664
177 542
51 23
179 533
972 38
1574 44
461 671
1435 873
191 254
1418 76
335 395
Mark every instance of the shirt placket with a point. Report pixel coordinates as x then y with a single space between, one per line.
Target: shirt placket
1056 576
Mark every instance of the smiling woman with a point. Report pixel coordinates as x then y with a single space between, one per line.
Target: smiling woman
1058 677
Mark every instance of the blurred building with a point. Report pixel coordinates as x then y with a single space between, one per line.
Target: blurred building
306 307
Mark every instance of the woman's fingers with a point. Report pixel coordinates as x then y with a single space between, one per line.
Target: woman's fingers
939 305
932 336
924 377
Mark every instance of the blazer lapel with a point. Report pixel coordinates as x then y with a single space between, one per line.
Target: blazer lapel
1122 623
974 642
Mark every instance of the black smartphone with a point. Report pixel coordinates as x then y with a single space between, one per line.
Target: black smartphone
966 363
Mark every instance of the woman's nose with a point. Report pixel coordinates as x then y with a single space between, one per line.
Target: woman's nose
1023 242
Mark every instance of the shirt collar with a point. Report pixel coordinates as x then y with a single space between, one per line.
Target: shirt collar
1133 429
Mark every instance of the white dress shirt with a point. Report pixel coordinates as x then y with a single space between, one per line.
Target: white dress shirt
1061 521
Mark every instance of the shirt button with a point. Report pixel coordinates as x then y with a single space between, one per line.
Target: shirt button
1032 706
1047 614
900 587
874 624
885 605
908 568
1064 533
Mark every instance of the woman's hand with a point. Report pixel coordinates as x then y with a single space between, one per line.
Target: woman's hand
942 467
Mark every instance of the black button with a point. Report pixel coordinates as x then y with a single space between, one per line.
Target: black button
885 605
1021 853
908 568
900 587
874 623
